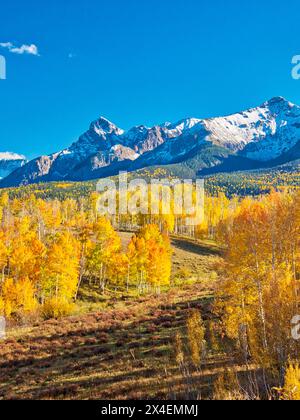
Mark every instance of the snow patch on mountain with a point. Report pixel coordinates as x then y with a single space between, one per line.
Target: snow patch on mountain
11 156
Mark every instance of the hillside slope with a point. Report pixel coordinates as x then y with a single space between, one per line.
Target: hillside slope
123 352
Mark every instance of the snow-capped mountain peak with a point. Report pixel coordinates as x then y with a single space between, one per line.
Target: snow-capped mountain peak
136 133
279 103
9 162
103 126
185 124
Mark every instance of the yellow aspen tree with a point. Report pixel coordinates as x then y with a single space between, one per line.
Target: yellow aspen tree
60 275
3 256
17 297
196 337
152 258
291 389
107 244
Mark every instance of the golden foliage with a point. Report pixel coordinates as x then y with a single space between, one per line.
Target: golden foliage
196 337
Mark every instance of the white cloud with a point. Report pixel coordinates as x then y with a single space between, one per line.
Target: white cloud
26 49
6 45
31 49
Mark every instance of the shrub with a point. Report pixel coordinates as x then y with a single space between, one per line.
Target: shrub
291 390
17 298
56 308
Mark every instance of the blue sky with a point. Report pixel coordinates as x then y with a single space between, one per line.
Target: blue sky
138 62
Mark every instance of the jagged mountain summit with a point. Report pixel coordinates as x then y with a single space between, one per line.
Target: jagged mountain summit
261 137
9 162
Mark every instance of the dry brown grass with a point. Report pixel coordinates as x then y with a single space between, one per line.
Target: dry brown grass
123 352
114 354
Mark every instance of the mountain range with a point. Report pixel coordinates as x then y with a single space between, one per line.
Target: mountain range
263 137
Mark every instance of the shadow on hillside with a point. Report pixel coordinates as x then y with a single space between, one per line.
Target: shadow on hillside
101 359
196 247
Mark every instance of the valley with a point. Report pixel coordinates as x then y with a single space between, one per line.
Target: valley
95 310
